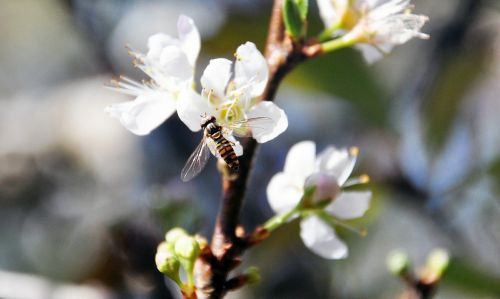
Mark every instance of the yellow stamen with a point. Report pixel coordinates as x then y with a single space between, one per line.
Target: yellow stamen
364 179
354 151
238 57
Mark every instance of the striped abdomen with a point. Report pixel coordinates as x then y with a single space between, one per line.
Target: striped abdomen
226 151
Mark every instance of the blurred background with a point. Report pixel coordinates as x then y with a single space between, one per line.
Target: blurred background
84 203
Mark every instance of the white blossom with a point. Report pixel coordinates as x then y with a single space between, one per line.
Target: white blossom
375 25
170 64
232 98
328 173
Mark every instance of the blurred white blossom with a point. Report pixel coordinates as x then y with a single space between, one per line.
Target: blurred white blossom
170 64
375 26
232 100
326 174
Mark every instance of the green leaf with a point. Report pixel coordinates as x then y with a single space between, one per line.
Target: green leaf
294 17
303 6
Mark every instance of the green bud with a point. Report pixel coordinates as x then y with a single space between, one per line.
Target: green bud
166 262
398 262
295 16
437 261
175 233
186 247
253 275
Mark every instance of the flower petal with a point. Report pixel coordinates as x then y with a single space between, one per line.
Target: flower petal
388 8
340 163
174 63
283 192
189 38
349 205
157 42
331 12
190 108
145 113
321 239
216 76
400 28
251 70
300 160
273 124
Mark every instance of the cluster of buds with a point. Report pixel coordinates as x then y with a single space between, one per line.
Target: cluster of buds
176 257
179 250
422 283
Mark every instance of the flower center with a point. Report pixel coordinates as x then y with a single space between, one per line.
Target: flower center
350 18
231 112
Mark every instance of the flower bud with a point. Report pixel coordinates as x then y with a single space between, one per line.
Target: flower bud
438 261
166 262
398 262
252 275
187 248
325 187
174 234
295 17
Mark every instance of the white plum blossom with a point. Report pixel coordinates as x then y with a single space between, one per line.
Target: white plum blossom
232 98
328 174
170 64
376 26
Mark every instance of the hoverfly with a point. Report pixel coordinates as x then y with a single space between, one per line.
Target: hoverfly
213 138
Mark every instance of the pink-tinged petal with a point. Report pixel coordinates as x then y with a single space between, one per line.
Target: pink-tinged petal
189 38
321 239
283 193
340 163
349 205
251 70
273 121
326 187
190 108
215 77
300 160
145 113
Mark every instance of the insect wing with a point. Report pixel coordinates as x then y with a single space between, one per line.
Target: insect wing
244 128
196 161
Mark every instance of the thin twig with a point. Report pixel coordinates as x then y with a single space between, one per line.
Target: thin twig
212 269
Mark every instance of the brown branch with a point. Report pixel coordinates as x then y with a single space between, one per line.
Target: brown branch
421 286
227 246
419 289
